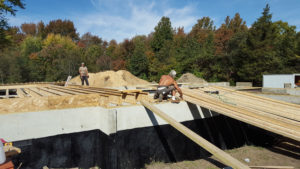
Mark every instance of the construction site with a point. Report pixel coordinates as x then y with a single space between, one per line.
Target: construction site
115 123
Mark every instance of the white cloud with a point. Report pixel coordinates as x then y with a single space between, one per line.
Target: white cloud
181 17
18 21
141 18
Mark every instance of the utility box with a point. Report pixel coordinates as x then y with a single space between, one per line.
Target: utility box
281 80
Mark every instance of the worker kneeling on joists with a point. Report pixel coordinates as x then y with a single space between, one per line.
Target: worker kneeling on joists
167 88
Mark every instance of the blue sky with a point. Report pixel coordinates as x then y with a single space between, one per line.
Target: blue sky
120 19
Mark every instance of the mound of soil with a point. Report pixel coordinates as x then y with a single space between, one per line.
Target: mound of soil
111 79
190 78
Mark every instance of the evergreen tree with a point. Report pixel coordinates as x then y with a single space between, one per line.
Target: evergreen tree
161 45
163 32
138 63
286 47
260 55
7 6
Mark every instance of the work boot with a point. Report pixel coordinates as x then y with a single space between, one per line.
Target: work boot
175 101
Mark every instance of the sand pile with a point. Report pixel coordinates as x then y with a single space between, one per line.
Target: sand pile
111 79
190 78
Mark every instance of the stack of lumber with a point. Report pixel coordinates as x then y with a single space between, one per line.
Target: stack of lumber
276 116
47 97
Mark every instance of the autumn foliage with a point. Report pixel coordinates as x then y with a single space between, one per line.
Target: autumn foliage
232 52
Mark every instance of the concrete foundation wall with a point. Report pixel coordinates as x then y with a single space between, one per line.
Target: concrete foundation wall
244 84
120 138
133 148
218 84
23 126
295 92
30 125
285 98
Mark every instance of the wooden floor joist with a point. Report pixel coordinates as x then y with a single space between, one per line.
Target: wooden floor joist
261 98
250 120
35 90
95 91
220 154
272 167
254 107
51 91
20 93
93 87
32 93
274 125
283 108
66 91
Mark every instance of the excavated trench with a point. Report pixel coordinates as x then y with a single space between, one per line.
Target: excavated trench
135 147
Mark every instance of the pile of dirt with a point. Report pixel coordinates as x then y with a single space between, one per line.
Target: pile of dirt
190 78
111 79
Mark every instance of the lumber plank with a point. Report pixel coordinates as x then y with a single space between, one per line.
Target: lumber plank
221 155
20 93
118 93
51 91
37 91
44 92
264 101
260 109
244 118
132 91
51 102
268 106
93 87
272 167
66 91
32 93
220 103
260 97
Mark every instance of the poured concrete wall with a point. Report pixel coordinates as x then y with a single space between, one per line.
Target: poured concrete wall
285 98
30 125
133 148
244 84
294 92
127 137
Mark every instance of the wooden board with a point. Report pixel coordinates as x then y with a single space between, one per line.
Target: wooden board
244 118
49 103
272 167
263 109
132 91
221 155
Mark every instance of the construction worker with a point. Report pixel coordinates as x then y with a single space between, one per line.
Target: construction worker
167 87
84 74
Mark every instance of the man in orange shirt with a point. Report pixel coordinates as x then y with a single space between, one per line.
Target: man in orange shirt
168 86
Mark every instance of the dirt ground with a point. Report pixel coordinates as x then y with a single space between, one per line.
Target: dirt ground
283 154
257 156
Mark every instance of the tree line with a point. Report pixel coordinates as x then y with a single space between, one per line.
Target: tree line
232 52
